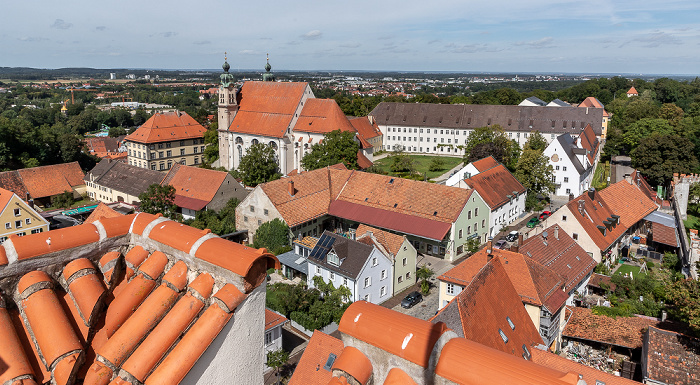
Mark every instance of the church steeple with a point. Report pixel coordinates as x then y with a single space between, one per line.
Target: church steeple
226 78
268 76
228 104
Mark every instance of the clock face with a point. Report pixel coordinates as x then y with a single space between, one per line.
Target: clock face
555 158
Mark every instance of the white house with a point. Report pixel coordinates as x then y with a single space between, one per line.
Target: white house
471 169
574 159
274 322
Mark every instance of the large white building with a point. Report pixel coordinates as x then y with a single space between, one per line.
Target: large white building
574 160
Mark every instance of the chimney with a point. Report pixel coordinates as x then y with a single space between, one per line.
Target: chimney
571 197
489 249
291 188
352 234
581 206
556 232
591 193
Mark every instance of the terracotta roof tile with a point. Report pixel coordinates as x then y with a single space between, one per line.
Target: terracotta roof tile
495 185
592 102
590 375
484 164
102 211
10 180
390 241
362 161
15 362
561 254
195 182
671 358
166 127
401 335
365 129
589 142
632 91
5 196
86 288
273 318
45 181
355 363
56 240
322 116
397 376
310 369
481 312
597 280
628 202
664 234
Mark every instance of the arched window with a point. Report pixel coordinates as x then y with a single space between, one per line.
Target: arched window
273 145
240 153
239 140
254 141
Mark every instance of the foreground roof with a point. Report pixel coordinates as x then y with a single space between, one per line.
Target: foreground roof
484 164
555 249
486 308
73 307
670 358
496 185
166 127
312 368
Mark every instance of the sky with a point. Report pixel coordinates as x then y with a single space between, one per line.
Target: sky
543 36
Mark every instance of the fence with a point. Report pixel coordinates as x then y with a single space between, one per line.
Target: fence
328 329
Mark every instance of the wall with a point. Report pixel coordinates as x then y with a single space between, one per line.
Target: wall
107 195
155 154
276 344
230 188
479 221
374 272
338 279
251 220
506 214
571 226
534 313
36 222
409 252
443 297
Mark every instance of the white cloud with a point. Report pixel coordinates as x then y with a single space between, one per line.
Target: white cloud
61 24
312 35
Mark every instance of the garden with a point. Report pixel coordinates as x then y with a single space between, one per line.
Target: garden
418 167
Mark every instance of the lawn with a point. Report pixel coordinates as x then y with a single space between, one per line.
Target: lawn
692 222
624 269
600 178
422 162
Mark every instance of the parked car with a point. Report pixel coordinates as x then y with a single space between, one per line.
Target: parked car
411 300
500 244
533 222
545 215
512 236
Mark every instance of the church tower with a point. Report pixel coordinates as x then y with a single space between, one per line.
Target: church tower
268 76
228 106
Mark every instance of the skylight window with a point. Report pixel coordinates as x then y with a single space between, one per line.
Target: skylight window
330 361
391 180
503 335
526 354
510 322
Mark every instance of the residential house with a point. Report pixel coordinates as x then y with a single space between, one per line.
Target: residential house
555 249
293 262
539 287
489 311
41 184
363 269
398 249
107 147
602 222
437 220
504 195
381 346
592 102
472 169
670 358
112 181
574 160
134 298
19 217
368 130
199 189
165 139
444 128
274 322
632 92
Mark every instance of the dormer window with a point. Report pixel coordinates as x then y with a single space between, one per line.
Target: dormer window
333 259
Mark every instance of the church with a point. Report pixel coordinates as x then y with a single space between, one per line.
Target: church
284 115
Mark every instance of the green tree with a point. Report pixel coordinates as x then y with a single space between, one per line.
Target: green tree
535 142
337 147
272 235
211 137
535 173
259 165
276 360
63 201
683 299
644 128
115 132
694 198
473 245
159 199
424 273
484 141
401 162
659 156
436 164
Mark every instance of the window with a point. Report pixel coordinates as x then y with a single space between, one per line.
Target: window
374 262
503 336
383 274
460 233
196 160
201 149
169 153
153 166
182 143
265 211
18 224
556 168
17 212
563 218
332 276
404 261
400 278
8 225
476 211
36 231
575 236
195 150
368 281
408 275
182 151
28 221
268 338
252 209
245 219
469 214
450 289
566 179
160 154
259 222
367 297
563 168
510 322
568 191
383 291
483 223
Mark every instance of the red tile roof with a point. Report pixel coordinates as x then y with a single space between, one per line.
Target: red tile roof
267 108
560 253
365 130
353 362
592 102
627 201
495 185
5 197
362 161
166 127
322 116
46 181
390 241
273 318
102 211
10 180
632 91
644 186
112 321
671 358
663 234
589 142
590 375
194 182
597 280
482 310
310 369
484 164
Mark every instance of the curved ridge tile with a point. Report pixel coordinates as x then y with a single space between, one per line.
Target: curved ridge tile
109 264
66 369
153 266
3 256
185 354
85 288
12 355
177 235
136 327
355 363
160 339
397 376
48 323
134 258
141 221
116 226
98 374
33 245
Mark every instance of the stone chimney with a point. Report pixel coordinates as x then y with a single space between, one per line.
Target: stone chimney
591 193
489 249
556 232
291 188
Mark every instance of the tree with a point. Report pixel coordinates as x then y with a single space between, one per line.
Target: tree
401 162
473 245
424 274
535 173
337 147
535 141
276 360
485 141
694 198
659 156
211 137
116 132
683 299
159 199
436 164
272 235
63 201
259 165
220 223
644 128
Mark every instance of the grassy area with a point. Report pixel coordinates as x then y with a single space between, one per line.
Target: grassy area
600 178
624 269
692 222
422 163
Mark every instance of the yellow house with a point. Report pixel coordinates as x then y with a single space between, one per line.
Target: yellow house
17 217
